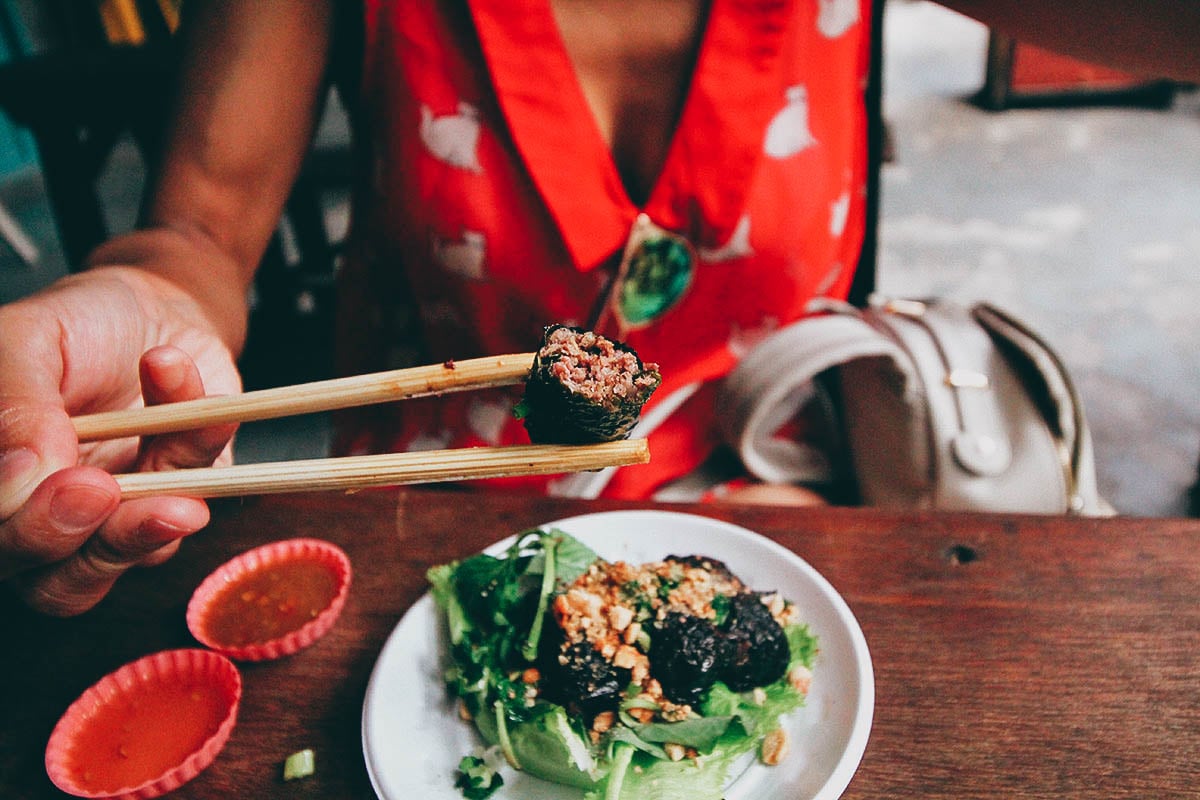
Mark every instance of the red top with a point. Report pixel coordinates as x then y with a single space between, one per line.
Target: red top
497 206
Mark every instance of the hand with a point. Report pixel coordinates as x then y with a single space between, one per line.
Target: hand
65 536
771 494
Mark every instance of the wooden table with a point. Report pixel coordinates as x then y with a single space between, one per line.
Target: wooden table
1015 657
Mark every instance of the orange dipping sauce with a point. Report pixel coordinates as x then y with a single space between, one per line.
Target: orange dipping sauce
271 601
129 741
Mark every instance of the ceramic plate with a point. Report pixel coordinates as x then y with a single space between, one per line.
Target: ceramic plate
413 738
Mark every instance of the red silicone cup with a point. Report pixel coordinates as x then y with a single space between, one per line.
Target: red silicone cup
314 551
89 755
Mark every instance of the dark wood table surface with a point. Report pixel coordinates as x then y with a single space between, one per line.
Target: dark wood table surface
1015 657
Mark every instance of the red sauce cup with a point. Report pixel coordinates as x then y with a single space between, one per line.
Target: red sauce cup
147 728
271 601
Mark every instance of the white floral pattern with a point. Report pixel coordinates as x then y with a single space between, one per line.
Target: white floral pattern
454 138
788 133
464 257
488 418
839 213
835 17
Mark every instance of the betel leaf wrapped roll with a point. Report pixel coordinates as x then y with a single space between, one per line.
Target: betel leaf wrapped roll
584 388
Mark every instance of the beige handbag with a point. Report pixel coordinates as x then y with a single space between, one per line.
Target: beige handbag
937 405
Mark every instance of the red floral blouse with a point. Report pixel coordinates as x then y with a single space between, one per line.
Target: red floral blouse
495 208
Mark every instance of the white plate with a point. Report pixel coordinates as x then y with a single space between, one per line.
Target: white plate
413 738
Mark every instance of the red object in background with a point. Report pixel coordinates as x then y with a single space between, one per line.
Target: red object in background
1022 75
1033 68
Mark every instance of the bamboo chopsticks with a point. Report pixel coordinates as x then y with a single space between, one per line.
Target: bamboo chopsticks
307 398
351 472
388 469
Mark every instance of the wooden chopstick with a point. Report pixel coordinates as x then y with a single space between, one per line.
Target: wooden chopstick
307 398
389 469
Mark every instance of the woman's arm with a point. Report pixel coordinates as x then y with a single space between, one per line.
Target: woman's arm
249 96
1156 38
160 314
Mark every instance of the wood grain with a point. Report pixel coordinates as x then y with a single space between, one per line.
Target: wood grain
1014 656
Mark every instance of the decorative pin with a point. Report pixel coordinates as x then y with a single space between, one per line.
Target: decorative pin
655 272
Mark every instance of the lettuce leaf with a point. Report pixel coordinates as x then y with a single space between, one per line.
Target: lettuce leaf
699 733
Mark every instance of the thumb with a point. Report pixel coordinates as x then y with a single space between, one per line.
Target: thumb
36 435
36 441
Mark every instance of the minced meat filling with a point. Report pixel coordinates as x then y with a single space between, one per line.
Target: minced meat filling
670 628
584 389
591 366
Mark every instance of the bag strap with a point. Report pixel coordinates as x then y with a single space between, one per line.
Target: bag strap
775 380
1067 407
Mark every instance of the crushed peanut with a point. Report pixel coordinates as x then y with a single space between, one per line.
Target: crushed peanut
800 678
604 721
774 747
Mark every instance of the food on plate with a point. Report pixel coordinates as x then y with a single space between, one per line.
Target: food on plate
623 680
300 764
584 388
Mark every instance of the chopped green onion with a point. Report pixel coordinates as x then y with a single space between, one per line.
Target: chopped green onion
502 734
299 765
549 548
622 757
476 779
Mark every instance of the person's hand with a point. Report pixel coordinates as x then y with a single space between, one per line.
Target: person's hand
101 340
771 494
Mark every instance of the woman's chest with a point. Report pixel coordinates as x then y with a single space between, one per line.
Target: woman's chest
500 130
633 61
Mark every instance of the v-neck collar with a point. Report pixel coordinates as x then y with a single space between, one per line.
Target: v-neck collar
702 187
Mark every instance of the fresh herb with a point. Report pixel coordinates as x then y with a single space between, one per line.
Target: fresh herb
721 604
665 587
476 779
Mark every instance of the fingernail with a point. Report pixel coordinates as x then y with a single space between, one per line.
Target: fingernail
161 531
17 469
172 375
80 507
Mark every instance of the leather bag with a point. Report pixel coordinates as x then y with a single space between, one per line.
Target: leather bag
932 404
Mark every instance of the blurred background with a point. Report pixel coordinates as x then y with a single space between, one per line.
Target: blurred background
1062 192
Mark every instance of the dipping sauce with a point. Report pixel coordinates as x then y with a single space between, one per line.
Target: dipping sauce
271 601
131 740
147 728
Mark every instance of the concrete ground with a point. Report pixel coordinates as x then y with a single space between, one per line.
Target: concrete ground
1083 221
